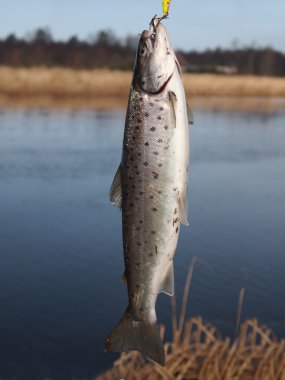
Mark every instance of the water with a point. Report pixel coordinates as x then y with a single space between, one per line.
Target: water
60 238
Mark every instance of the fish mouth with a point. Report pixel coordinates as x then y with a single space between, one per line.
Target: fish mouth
160 90
153 26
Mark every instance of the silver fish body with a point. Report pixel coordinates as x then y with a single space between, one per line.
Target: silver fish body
151 188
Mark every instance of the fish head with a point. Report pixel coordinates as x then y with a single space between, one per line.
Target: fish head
156 60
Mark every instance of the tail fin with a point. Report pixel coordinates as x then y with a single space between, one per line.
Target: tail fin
140 336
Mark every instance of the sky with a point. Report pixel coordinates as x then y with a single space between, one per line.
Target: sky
193 24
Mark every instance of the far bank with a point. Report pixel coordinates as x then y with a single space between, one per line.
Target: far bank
109 89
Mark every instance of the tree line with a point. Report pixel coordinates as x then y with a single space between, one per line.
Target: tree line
106 50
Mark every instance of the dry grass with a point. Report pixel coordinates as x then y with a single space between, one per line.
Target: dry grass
199 352
109 89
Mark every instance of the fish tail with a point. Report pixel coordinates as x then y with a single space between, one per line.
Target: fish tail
140 336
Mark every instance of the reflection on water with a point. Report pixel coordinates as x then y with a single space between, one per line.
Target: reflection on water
60 239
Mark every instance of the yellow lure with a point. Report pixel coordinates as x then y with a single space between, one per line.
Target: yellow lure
165 6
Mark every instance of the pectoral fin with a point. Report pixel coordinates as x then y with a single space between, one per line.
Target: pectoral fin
167 285
173 101
116 189
189 114
183 208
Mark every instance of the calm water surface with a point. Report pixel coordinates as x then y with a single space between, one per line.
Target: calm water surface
60 238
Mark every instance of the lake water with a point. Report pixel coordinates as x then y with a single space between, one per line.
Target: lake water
60 239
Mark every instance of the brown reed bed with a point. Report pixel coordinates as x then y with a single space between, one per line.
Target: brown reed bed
101 89
199 352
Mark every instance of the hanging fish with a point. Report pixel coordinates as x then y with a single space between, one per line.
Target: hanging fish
150 187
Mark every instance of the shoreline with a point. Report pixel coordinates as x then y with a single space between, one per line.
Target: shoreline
106 89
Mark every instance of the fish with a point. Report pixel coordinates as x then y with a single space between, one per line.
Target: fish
150 187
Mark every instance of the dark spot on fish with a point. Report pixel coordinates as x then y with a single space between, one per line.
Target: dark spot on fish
151 197
141 98
151 254
146 114
155 175
154 209
160 140
160 165
159 117
137 128
131 158
175 188
155 153
141 192
139 120
137 173
145 163
137 286
138 228
136 198
139 243
131 176
132 295
133 117
152 129
141 309
139 181
146 144
139 154
177 230
137 264
133 187
131 204
156 249
175 211
141 222
166 127
159 192
153 232
151 104
175 221
161 108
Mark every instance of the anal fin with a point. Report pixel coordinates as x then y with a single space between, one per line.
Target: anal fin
183 208
167 285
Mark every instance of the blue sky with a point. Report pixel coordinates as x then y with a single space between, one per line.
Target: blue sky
193 24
